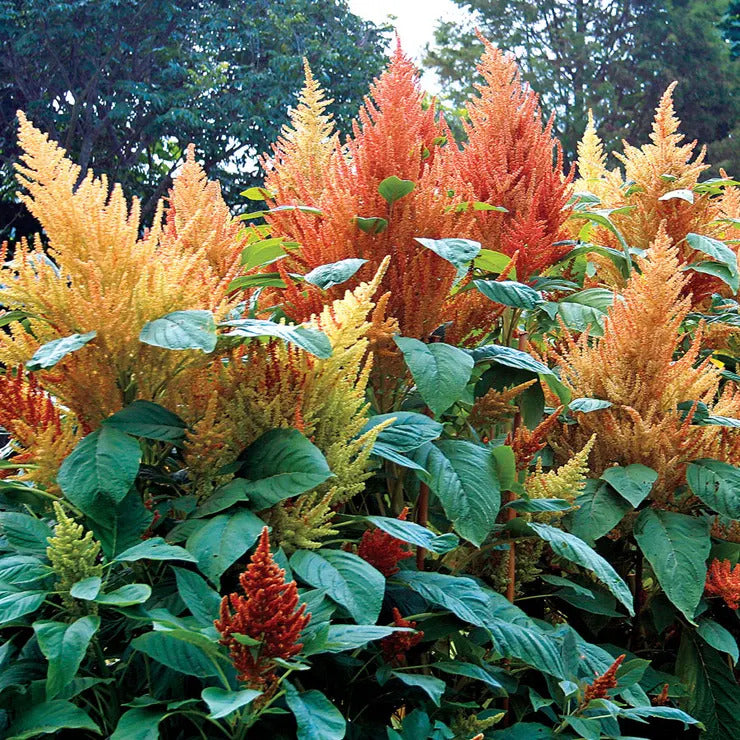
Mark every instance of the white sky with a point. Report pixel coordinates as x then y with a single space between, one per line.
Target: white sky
414 20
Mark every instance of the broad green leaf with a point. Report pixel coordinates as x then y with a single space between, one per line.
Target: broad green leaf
86 589
262 252
139 723
415 534
408 431
509 293
258 280
717 484
222 540
490 261
47 355
149 420
351 636
120 526
713 694
128 595
441 372
347 578
312 341
154 549
599 510
22 570
717 269
677 547
48 717
224 497
222 703
458 668
371 224
393 188
718 637
179 330
431 686
718 251
99 471
181 656
571 548
15 605
532 505
509 357
256 193
463 476
280 464
633 482
458 252
334 273
25 533
505 466
578 317
314 714
587 405
641 714
64 646
198 596
528 645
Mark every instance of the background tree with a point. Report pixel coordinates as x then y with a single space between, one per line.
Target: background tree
124 87
615 56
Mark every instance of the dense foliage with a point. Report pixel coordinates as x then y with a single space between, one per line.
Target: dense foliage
440 441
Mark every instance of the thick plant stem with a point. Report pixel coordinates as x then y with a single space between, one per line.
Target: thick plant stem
422 514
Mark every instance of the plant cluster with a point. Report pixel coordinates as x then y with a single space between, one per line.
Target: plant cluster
440 442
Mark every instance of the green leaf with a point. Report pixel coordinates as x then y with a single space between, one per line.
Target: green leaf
571 548
441 372
371 224
458 252
458 668
408 431
154 549
334 273
347 578
128 595
600 510
720 252
718 637
256 193
433 687
224 497
121 525
677 547
140 723
149 420
533 505
352 636
64 646
280 464
528 645
509 293
717 484
179 330
579 312
463 476
48 717
262 252
633 482
181 656
259 280
222 703
312 341
86 589
47 355
100 470
25 533
393 188
509 357
490 261
314 714
21 570
14 605
587 405
415 534
198 596
222 540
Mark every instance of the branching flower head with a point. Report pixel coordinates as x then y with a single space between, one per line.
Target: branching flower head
382 550
724 580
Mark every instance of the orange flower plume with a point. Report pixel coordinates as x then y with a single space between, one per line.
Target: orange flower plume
382 550
601 685
268 612
512 160
724 580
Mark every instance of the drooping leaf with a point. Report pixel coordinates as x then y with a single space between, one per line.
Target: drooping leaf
14 605
347 578
224 497
718 251
717 484
181 656
334 273
128 595
198 596
154 548
464 478
314 714
509 357
571 548
587 405
408 431
458 252
222 703
441 372
633 482
279 464
149 420
139 723
718 637
599 510
677 547
47 355
352 636
490 261
48 717
86 589
415 534
431 686
25 533
509 293
470 670
371 224
313 341
179 330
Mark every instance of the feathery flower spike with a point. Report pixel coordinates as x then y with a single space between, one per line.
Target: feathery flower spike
601 685
396 645
383 551
724 580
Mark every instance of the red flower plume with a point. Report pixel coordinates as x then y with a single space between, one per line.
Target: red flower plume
724 581
396 645
267 612
382 550
602 684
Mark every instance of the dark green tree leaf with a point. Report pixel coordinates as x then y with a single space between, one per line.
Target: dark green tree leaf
149 420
